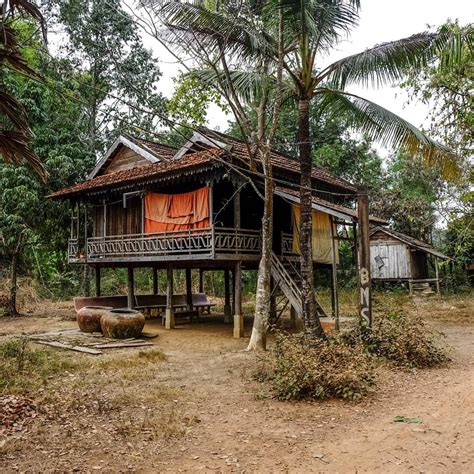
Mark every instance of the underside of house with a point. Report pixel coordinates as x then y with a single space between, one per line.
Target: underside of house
200 207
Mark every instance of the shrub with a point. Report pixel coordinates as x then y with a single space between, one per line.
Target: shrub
298 367
402 338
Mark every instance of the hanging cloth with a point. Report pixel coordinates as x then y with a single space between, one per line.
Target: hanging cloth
321 235
165 212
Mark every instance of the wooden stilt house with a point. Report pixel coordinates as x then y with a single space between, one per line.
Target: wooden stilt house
198 207
400 257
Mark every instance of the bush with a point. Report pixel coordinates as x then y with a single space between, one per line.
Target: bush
404 339
298 367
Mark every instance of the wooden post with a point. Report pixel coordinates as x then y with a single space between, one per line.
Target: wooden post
292 317
237 215
97 281
238 316
335 299
169 313
227 307
233 291
365 296
189 290
437 274
155 280
201 280
131 289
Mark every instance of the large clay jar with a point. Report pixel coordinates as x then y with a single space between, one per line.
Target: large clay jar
122 323
88 318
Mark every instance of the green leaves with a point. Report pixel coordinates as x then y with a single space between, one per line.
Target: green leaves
383 64
404 419
379 124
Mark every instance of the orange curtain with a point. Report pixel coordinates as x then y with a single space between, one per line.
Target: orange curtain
165 212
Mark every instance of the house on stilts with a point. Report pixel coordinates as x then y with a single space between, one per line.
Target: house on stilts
146 204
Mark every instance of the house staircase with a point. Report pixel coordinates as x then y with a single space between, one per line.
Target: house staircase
287 277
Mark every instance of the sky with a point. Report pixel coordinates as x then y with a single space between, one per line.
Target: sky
380 21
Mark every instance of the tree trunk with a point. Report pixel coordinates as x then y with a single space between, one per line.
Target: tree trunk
11 309
310 317
258 338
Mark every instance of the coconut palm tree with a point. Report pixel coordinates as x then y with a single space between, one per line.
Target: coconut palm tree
15 132
312 29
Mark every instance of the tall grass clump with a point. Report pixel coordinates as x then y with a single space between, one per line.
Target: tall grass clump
405 339
298 367
23 369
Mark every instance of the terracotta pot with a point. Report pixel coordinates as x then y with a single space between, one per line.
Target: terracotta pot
122 323
88 318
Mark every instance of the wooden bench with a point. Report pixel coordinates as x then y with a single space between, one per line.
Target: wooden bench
115 302
201 302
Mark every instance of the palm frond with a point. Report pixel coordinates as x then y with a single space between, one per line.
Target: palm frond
10 107
14 148
322 21
450 44
247 84
389 129
236 34
382 64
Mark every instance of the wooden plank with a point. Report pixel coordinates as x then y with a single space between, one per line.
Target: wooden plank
60 345
118 345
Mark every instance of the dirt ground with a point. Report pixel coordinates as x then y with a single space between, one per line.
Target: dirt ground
198 410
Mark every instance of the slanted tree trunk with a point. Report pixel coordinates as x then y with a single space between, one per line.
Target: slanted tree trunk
262 304
10 305
310 317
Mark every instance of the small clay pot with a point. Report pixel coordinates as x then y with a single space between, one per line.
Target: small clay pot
122 323
88 318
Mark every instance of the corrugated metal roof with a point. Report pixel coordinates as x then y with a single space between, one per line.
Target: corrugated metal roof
411 241
336 210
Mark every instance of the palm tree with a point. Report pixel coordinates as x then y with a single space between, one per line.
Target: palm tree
15 132
312 28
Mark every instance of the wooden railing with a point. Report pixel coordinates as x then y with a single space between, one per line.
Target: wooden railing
204 243
286 244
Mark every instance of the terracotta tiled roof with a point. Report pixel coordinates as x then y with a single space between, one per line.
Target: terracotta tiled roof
281 161
140 173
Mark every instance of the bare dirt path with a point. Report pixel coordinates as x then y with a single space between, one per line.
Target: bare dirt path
228 428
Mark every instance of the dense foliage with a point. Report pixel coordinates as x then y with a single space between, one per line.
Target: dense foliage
407 340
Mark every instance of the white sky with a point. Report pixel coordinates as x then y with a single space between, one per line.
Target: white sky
380 21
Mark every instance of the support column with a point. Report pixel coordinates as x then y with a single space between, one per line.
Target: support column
238 316
365 296
97 281
155 281
201 280
334 295
227 307
169 312
292 317
437 274
131 288
189 290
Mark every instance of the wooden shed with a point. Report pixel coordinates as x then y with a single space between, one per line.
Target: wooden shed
399 257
